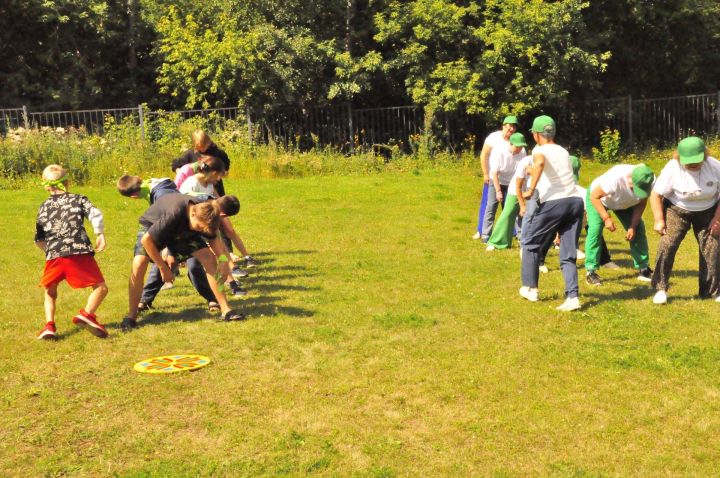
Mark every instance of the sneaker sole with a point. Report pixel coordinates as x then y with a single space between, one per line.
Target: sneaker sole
644 279
240 276
47 336
81 321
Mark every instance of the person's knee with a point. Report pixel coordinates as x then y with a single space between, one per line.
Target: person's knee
101 288
51 292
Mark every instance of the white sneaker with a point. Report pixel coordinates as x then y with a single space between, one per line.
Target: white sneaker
580 255
476 236
520 252
717 299
544 269
660 297
490 247
167 285
610 265
569 305
529 293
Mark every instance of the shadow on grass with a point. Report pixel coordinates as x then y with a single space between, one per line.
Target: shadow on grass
261 301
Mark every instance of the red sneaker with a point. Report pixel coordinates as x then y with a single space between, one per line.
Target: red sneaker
89 323
48 332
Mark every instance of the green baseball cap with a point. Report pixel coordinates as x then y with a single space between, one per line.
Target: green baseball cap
543 124
691 150
575 162
517 139
511 120
643 179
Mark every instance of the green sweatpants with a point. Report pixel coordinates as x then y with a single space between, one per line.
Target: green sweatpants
502 232
638 246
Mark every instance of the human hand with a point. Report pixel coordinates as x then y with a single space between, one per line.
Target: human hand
170 261
100 242
528 194
499 196
522 211
165 272
715 228
660 228
609 224
630 234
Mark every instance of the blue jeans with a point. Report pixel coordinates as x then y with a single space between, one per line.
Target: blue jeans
491 208
565 217
196 274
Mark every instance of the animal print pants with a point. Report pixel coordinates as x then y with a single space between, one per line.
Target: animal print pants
678 222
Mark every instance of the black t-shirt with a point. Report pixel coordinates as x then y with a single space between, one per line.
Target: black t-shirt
167 222
191 156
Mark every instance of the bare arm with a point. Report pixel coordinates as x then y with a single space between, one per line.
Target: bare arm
154 253
656 204
217 246
496 184
484 162
538 167
595 198
41 244
521 199
231 234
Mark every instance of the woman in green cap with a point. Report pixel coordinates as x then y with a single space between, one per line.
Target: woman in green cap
686 195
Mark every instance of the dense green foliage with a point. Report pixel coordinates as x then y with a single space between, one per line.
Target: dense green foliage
486 57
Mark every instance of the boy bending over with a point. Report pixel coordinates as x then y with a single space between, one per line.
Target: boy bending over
183 224
60 233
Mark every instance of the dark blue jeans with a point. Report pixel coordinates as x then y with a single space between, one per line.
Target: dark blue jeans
563 216
196 274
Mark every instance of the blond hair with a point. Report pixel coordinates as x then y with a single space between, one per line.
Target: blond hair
207 215
199 139
53 176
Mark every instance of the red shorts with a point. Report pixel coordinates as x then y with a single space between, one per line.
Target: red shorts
80 271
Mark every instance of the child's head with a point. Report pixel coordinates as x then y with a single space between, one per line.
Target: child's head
228 205
205 218
201 141
212 168
129 185
54 179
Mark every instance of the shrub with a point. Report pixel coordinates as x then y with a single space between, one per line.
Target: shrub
609 151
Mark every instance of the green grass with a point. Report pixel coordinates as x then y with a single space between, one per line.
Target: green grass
383 342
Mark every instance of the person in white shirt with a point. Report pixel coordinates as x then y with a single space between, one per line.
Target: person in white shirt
502 169
686 195
623 189
560 210
499 140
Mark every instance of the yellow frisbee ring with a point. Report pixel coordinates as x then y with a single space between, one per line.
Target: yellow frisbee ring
172 364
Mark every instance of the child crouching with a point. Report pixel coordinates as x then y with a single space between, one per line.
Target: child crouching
60 233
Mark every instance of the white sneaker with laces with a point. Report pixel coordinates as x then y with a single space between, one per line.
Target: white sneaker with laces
544 269
490 247
610 265
580 255
529 293
569 305
476 236
660 297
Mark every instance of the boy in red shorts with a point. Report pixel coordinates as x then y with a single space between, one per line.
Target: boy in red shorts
61 235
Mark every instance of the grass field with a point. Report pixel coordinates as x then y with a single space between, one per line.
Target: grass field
382 342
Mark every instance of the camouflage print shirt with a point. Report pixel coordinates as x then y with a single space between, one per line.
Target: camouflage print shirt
60 224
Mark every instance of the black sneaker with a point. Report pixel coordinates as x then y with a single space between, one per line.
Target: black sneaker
593 279
645 275
128 324
235 289
238 273
250 263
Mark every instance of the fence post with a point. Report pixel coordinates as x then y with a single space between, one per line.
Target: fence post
141 118
26 119
717 107
630 121
249 125
350 127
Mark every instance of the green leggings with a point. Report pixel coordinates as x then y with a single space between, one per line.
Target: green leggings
502 232
638 246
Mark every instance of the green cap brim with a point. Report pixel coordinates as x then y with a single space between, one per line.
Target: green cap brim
694 159
640 193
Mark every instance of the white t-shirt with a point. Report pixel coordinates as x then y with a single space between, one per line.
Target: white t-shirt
520 172
193 187
556 181
496 140
503 161
615 183
690 190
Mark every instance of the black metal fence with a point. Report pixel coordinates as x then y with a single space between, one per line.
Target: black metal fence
644 122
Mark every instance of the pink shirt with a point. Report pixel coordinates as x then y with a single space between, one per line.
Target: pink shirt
184 172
